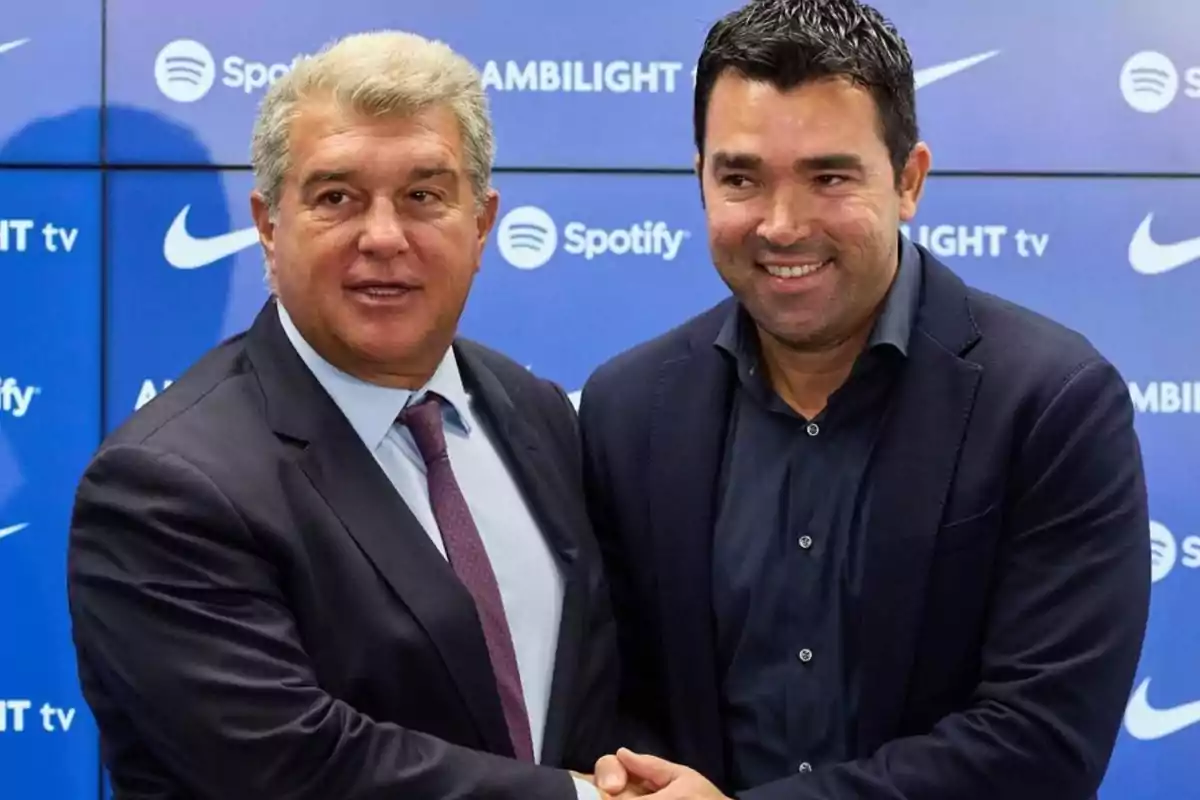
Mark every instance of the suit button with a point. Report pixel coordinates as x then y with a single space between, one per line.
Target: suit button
806 655
806 767
805 542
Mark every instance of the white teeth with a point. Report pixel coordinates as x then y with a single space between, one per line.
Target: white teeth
383 291
793 272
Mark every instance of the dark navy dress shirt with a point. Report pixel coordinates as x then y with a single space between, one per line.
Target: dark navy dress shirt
787 560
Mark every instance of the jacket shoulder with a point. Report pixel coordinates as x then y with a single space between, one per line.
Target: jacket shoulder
634 368
212 405
1016 338
1033 364
516 379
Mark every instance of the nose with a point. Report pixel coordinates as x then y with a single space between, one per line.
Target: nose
383 233
786 220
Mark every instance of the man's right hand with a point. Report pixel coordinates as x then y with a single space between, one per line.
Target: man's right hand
614 783
628 775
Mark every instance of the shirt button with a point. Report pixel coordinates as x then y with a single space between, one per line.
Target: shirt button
805 542
806 655
813 429
806 767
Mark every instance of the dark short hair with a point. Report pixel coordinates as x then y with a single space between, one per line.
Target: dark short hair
791 42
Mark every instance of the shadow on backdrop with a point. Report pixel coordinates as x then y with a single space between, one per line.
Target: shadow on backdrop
156 322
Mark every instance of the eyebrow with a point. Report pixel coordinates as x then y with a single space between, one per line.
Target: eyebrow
348 175
425 173
326 176
725 160
747 161
832 161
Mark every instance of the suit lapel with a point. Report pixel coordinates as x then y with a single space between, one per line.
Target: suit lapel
911 476
691 407
357 490
539 478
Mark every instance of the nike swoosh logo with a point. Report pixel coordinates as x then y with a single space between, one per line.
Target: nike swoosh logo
928 75
13 45
1147 723
1148 257
11 529
184 251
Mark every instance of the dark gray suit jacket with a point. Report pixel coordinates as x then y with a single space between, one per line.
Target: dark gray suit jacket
257 614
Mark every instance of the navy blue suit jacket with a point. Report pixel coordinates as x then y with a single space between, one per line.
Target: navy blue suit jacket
1007 573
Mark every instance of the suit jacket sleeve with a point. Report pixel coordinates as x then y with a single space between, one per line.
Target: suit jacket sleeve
183 617
596 731
1068 616
640 724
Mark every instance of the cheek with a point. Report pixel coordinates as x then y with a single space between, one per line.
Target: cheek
855 224
449 257
319 252
729 227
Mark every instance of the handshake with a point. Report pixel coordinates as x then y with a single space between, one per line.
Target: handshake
627 775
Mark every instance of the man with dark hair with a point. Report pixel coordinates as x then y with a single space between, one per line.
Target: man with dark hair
871 533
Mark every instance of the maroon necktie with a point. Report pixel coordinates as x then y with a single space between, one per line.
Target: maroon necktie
467 556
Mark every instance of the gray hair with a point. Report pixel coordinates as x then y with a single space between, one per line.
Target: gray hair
380 73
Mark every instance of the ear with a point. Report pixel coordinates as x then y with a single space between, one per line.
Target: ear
263 222
485 218
912 180
266 230
698 168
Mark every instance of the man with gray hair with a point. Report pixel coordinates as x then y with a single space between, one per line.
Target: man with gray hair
347 554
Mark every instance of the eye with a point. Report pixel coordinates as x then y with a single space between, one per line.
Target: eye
423 196
332 197
736 181
831 180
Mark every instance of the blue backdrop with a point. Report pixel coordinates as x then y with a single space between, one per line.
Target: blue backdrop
1067 178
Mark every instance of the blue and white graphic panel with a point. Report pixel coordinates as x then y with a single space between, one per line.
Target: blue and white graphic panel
50 82
185 272
581 267
1119 261
1060 86
1022 85
49 427
571 84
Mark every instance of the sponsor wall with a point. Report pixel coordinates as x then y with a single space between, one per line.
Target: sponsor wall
1067 179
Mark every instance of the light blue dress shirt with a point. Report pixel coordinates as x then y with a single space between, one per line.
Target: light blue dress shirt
531 584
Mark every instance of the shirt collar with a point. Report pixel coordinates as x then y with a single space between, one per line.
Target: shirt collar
893 326
372 409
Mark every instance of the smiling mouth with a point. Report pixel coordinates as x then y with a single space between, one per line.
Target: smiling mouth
382 290
794 271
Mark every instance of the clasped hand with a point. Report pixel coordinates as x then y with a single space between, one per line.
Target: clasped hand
627 775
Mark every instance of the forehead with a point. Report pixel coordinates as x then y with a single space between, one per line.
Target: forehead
817 116
324 135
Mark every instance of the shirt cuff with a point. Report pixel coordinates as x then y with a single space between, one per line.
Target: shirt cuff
585 790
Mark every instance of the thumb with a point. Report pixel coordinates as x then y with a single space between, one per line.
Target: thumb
610 775
651 769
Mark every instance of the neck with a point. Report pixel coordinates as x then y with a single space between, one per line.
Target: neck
805 378
412 374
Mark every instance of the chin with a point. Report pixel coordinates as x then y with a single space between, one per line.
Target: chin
800 334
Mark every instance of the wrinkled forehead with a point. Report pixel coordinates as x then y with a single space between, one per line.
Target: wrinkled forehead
327 137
